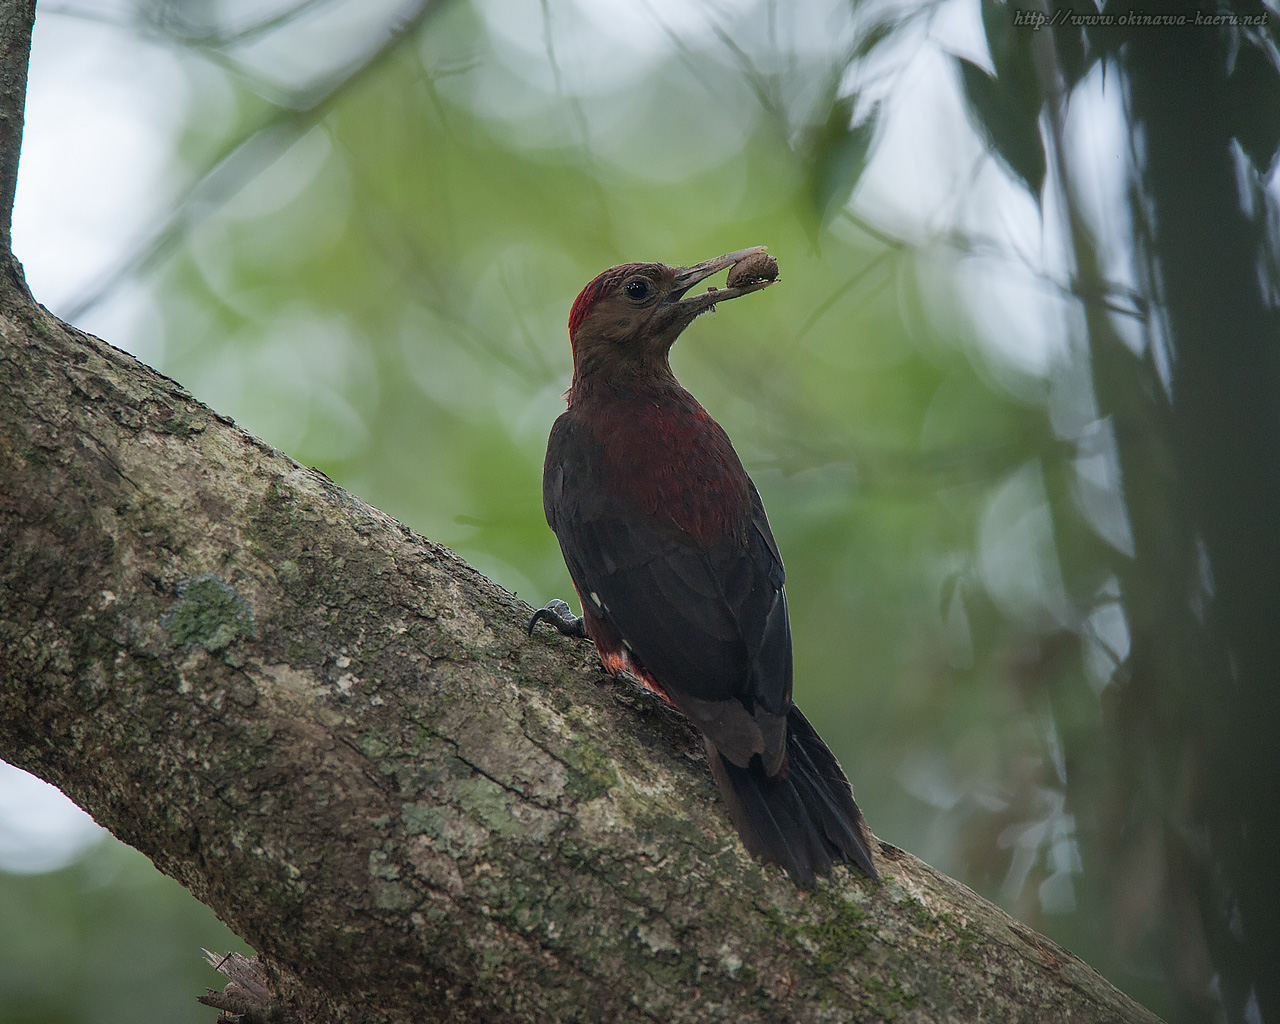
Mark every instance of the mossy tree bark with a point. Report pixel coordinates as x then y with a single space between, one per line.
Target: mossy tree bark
337 735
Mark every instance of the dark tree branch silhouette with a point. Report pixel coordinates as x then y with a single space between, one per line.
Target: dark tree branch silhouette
1195 415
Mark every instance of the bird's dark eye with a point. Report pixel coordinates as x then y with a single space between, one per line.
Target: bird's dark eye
637 289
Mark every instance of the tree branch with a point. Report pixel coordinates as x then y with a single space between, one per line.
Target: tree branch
336 734
17 17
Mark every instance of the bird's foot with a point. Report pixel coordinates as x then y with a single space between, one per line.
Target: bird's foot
559 614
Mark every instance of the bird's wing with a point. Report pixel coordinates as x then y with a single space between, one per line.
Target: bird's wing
708 621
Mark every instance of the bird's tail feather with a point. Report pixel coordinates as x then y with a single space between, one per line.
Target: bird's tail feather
804 818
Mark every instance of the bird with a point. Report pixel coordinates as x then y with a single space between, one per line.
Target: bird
679 577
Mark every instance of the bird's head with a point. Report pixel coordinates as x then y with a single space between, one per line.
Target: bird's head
624 323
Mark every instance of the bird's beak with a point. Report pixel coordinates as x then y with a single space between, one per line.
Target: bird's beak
687 277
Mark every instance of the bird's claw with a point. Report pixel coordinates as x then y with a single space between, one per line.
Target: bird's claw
560 615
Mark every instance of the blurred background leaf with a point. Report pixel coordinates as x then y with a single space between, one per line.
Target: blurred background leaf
95 941
1008 123
837 156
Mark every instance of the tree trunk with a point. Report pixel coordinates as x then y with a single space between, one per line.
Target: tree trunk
337 735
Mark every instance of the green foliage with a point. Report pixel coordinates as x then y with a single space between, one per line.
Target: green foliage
838 153
106 940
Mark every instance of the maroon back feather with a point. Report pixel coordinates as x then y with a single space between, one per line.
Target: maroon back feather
652 449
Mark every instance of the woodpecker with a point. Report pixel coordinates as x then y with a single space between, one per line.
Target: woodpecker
680 580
